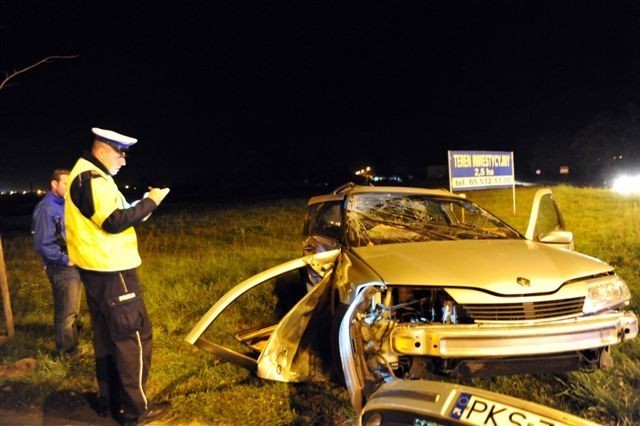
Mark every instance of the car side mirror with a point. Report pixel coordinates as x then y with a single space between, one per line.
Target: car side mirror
557 236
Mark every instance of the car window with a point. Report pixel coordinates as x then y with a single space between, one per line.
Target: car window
548 217
546 223
247 329
324 219
384 218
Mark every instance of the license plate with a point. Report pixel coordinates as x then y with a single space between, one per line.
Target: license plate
474 410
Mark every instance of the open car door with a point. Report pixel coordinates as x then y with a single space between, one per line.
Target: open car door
546 224
270 323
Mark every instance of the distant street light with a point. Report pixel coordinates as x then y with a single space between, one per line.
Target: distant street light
366 172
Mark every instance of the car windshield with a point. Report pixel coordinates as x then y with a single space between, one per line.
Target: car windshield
386 218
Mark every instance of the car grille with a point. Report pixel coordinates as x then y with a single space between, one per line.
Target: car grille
525 311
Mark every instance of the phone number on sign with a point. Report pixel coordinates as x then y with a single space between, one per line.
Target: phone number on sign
465 182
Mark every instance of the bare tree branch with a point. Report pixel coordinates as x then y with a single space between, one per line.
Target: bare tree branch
9 76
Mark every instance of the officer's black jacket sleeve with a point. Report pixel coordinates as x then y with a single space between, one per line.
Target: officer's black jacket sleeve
121 219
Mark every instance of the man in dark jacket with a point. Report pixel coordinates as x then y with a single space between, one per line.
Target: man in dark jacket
49 241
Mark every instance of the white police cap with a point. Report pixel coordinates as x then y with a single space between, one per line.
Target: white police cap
116 140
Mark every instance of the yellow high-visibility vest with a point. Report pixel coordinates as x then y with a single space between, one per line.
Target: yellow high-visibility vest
90 247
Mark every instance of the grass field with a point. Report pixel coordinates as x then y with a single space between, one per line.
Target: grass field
193 253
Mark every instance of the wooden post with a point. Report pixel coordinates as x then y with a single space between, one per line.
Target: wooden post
6 300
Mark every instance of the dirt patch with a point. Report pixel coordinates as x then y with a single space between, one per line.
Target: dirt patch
37 417
19 368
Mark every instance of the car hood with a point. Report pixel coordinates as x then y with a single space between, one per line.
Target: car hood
494 265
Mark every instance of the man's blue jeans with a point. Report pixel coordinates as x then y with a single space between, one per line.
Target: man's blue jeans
66 287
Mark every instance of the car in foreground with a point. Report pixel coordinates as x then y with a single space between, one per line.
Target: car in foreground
398 284
432 403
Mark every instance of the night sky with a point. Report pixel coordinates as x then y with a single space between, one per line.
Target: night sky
277 91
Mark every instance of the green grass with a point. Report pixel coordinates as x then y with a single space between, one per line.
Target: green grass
192 254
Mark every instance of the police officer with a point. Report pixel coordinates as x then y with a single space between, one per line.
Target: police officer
102 243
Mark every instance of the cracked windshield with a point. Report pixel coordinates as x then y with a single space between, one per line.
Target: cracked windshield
384 218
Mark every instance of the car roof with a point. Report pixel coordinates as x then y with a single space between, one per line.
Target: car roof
350 188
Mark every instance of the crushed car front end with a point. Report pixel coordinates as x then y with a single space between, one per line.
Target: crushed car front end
383 339
418 330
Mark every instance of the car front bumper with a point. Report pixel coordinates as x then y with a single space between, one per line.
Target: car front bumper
490 340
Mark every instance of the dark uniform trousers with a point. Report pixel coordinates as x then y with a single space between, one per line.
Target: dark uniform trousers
121 338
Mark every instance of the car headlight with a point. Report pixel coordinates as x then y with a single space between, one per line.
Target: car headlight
610 294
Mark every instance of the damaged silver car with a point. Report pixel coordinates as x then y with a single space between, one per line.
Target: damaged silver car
409 283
